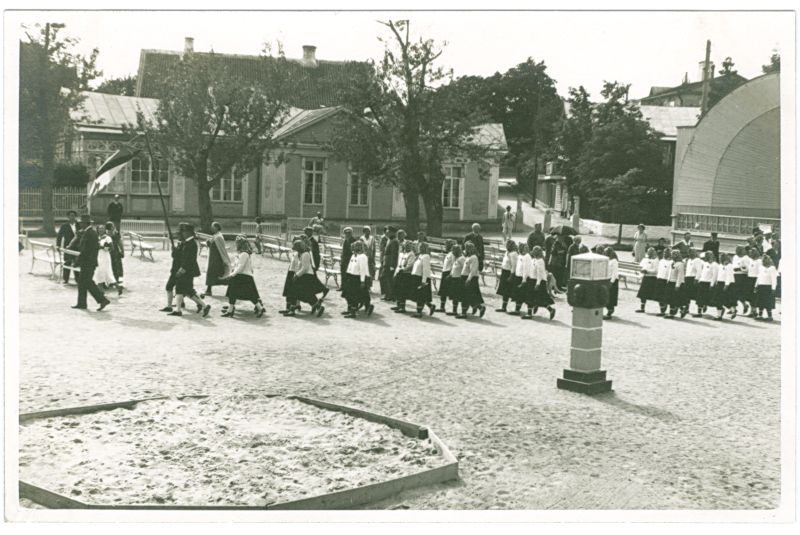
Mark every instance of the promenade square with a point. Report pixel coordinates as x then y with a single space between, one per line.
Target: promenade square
693 421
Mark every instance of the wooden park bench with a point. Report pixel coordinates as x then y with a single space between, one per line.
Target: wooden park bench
271 228
629 270
327 269
137 242
202 242
276 246
46 253
152 229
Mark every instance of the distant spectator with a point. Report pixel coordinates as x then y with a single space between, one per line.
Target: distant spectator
317 220
477 239
576 248
639 243
660 246
508 223
548 245
712 245
536 237
115 211
684 245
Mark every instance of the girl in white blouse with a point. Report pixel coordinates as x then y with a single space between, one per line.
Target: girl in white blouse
648 267
421 280
294 265
505 288
613 275
706 281
447 265
693 266
471 297
403 285
306 285
357 281
675 290
724 296
455 286
741 264
241 284
537 281
662 274
753 269
521 272
766 284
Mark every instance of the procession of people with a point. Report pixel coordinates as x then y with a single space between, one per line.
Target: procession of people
679 278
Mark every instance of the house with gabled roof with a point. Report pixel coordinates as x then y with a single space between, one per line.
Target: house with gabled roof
310 180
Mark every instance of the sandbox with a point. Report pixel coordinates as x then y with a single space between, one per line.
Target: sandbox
242 452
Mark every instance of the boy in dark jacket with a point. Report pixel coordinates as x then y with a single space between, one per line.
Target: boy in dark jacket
188 269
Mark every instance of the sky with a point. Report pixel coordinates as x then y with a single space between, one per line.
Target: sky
643 49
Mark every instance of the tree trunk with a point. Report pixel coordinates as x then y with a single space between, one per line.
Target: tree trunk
619 235
46 194
434 212
412 214
204 202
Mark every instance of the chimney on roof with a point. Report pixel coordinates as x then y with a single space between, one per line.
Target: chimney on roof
702 67
309 55
188 45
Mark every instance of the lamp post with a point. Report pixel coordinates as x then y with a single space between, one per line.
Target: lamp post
587 292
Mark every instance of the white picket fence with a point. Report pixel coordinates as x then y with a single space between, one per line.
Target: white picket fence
64 200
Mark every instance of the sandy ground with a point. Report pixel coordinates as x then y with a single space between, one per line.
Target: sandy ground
693 421
251 450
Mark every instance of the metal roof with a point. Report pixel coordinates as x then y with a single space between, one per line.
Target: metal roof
666 119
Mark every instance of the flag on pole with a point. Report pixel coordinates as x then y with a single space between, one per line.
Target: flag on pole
110 168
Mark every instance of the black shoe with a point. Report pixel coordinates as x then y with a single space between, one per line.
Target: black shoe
175 313
552 313
451 313
461 316
259 311
165 309
483 310
661 314
697 315
607 316
395 308
733 313
639 311
206 309
349 314
119 290
228 314
515 313
199 308
684 312
320 310
502 309
370 309
325 293
103 305
78 307
417 314
527 316
431 309
746 309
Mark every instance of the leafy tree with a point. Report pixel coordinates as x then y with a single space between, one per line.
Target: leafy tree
727 67
401 127
125 86
774 64
52 77
210 122
576 131
617 171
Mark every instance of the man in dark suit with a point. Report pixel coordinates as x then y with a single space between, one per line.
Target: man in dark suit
87 261
548 245
576 248
391 254
536 237
712 245
309 232
188 270
476 238
115 210
65 236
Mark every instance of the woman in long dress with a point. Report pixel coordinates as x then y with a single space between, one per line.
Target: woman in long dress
639 244
219 264
104 274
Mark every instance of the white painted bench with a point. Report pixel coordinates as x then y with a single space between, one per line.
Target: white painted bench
271 228
46 253
629 270
63 254
275 245
137 242
152 229
329 271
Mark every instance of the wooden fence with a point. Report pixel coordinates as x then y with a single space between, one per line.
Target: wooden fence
64 200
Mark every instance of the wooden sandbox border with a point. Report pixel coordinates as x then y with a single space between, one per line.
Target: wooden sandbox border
344 499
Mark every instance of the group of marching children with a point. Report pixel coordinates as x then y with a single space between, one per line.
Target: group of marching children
301 284
523 280
722 283
459 284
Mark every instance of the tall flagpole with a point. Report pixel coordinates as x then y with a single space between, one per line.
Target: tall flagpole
154 163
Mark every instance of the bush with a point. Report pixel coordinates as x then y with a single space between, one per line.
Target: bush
69 174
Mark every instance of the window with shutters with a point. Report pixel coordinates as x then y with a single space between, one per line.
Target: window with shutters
229 189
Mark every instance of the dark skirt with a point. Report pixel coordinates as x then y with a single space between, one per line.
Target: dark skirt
505 287
527 292
403 289
647 290
660 291
541 297
675 296
443 285
184 285
242 287
742 284
690 289
765 297
216 267
703 294
722 297
455 288
287 286
517 293
422 292
306 287
613 294
353 291
116 265
749 292
471 295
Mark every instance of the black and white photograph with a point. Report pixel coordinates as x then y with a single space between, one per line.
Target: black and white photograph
302 264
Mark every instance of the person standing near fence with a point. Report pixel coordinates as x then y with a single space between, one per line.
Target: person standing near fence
508 223
639 244
66 233
115 211
87 261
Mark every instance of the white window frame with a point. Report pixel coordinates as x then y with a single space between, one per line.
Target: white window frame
363 189
150 181
228 184
453 185
316 174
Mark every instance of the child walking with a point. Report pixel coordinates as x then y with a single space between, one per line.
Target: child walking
753 270
447 266
724 296
741 264
472 292
356 282
305 285
662 275
455 286
187 271
506 287
539 296
613 275
766 284
288 291
403 285
647 289
521 272
694 265
241 284
675 292
421 280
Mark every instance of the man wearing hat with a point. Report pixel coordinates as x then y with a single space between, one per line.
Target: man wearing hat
314 246
87 261
347 250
